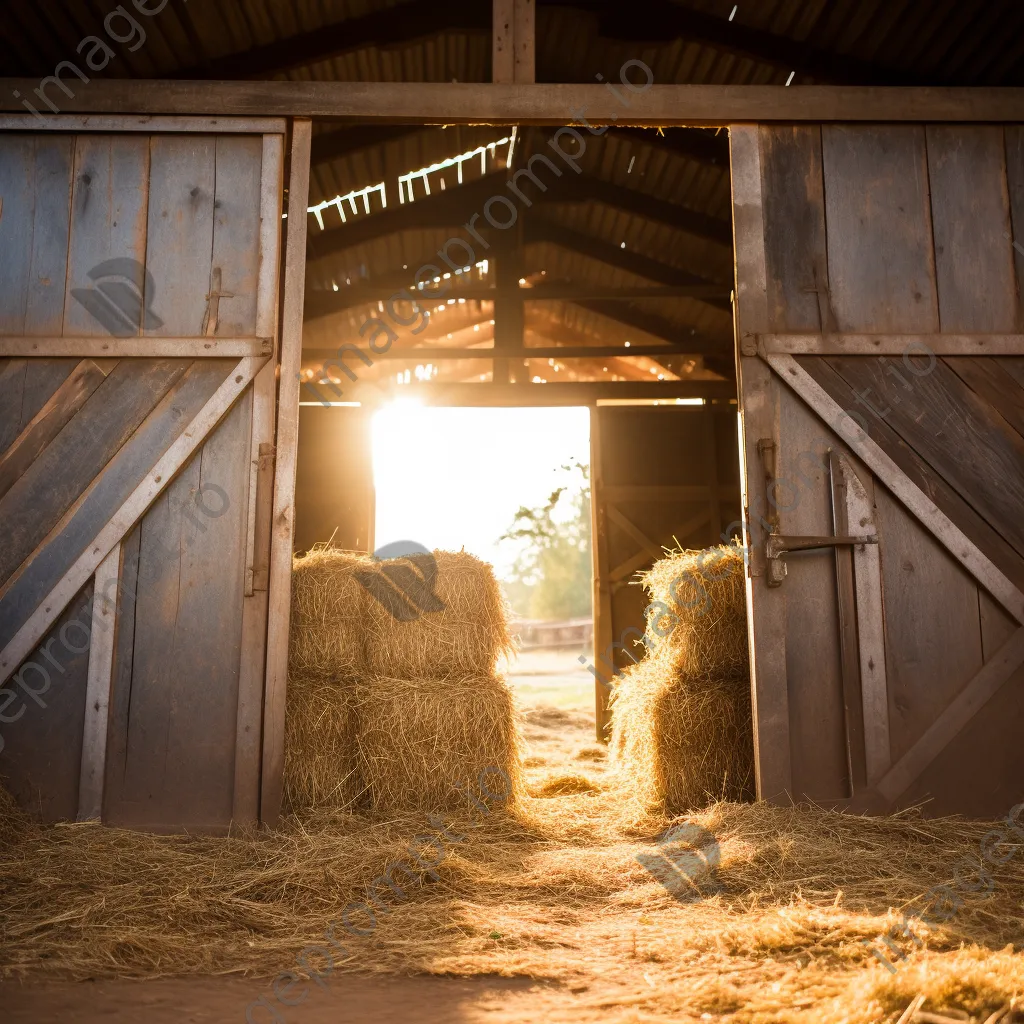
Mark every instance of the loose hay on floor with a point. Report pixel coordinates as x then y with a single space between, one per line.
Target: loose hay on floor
801 891
420 739
466 638
682 730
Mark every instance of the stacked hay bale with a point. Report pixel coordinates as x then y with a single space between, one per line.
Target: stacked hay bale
433 713
326 662
681 718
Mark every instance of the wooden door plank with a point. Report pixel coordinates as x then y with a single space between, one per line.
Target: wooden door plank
48 422
958 434
35 193
892 344
867 579
652 550
179 256
990 381
880 261
126 516
140 348
971 223
964 707
1014 138
108 222
934 519
758 410
98 690
680 534
284 479
794 227
119 479
61 474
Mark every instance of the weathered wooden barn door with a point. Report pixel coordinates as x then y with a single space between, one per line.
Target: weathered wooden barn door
879 328
138 351
659 474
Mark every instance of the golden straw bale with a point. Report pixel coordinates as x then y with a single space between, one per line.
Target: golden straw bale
706 621
320 763
464 639
420 739
681 742
328 613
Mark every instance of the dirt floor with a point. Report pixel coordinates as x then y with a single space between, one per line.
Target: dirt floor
546 917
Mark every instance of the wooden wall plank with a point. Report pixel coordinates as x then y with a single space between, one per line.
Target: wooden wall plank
933 633
794 227
108 221
880 259
989 379
1014 138
41 756
35 190
954 431
971 221
26 385
182 187
120 477
35 503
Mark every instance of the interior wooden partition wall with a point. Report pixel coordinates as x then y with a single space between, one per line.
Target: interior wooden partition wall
148 408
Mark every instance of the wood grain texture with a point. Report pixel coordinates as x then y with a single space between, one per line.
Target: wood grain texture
971 224
963 548
794 226
108 221
759 418
1014 139
122 123
61 474
139 348
990 381
48 422
35 193
953 430
880 262
120 477
98 690
892 344
41 757
284 479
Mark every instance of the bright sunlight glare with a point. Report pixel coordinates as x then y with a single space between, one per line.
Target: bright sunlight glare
452 478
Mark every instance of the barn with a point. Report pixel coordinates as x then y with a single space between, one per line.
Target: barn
775 251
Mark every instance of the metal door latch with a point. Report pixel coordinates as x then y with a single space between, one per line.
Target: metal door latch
777 546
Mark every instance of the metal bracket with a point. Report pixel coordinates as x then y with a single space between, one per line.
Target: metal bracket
777 546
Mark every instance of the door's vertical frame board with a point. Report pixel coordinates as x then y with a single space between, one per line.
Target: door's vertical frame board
503 34
525 24
602 594
867 581
35 185
1014 136
846 602
124 593
99 688
248 733
881 267
758 412
711 460
284 477
970 209
108 218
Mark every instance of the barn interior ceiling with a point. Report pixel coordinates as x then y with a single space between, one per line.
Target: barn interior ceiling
631 255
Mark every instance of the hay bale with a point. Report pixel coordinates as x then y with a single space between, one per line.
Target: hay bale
328 613
420 739
466 638
320 764
706 622
682 730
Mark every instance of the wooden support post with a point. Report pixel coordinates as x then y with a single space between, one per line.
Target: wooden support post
283 522
508 317
513 36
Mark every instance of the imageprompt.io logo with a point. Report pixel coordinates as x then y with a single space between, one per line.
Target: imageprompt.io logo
406 591
687 861
120 298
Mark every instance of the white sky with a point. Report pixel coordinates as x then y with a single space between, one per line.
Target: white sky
449 478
